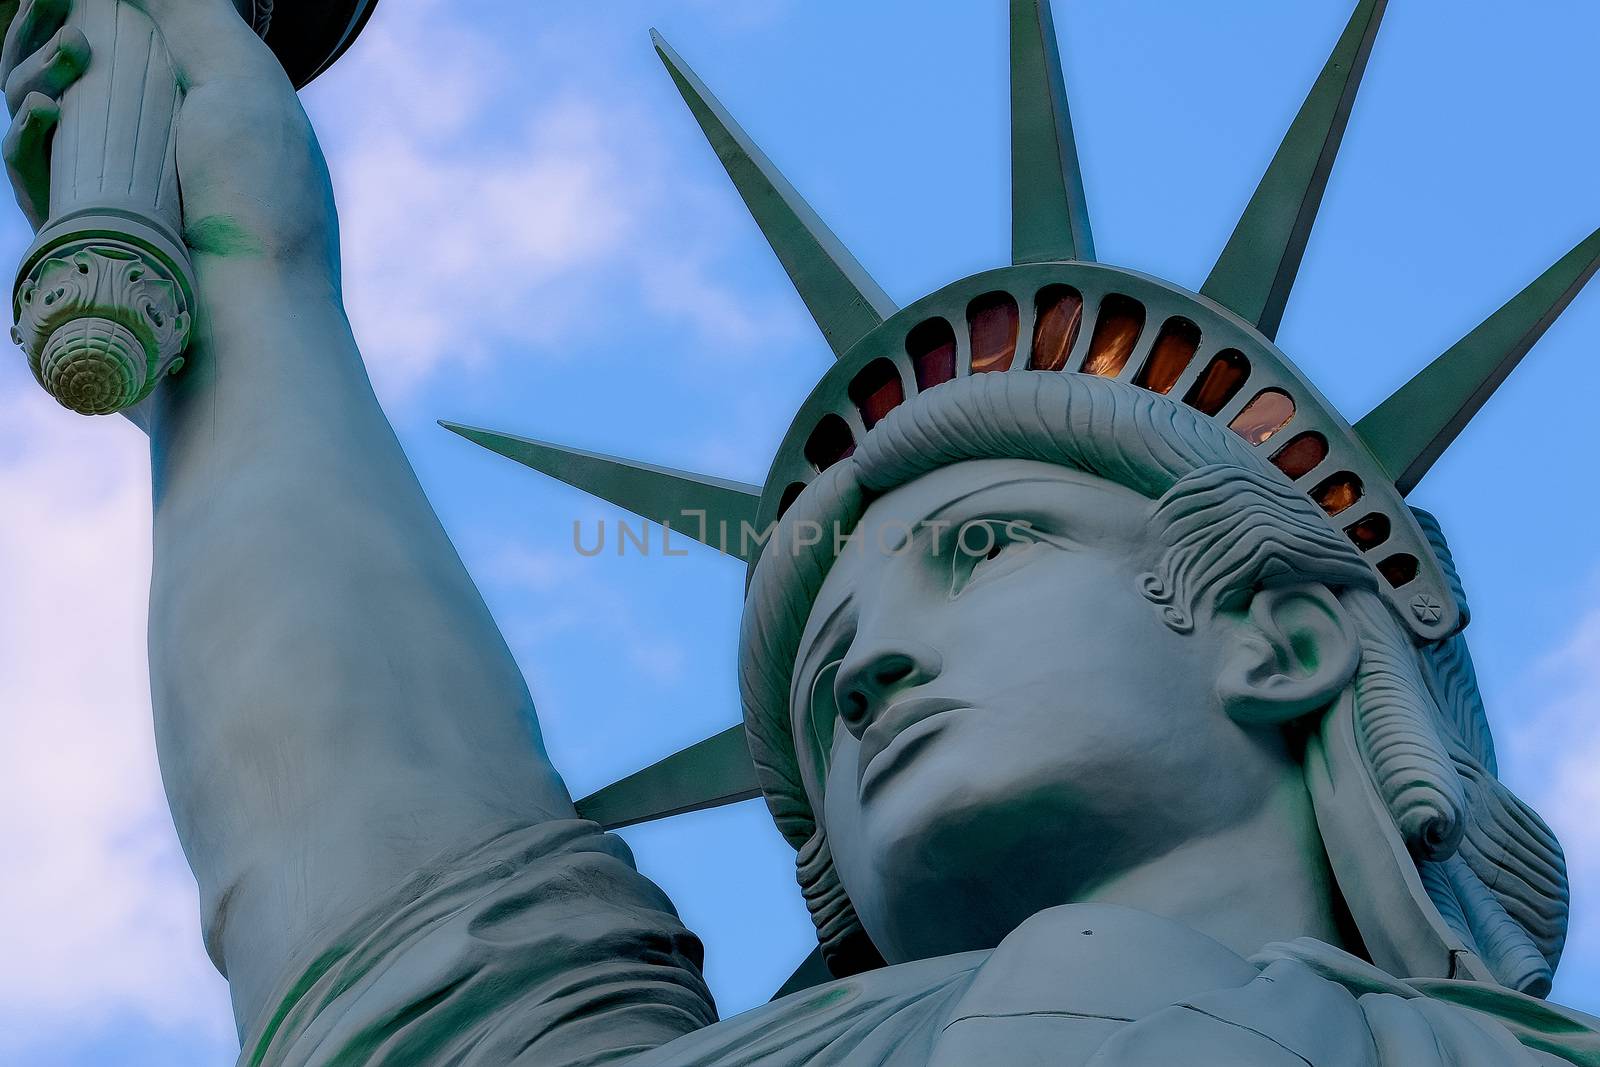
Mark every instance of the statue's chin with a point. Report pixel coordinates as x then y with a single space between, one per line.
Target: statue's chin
959 869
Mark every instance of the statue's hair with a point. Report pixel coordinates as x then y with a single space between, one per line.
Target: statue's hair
1504 892
1227 530
1227 524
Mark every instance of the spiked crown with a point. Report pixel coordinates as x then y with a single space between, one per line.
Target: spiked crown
1056 309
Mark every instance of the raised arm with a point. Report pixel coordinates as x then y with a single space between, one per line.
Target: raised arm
351 755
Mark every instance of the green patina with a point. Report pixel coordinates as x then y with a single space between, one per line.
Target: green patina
291 1001
551 947
222 235
829 998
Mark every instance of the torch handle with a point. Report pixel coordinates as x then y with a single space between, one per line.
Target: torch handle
104 299
115 143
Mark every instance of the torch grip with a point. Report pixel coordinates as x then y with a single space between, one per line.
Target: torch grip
104 298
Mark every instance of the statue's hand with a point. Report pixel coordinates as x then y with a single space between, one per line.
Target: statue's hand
253 178
39 60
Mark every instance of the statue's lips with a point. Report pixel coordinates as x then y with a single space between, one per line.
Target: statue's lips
896 720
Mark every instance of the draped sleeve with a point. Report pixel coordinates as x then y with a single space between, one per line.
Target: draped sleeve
542 946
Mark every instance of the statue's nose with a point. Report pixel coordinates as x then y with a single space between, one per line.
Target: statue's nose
874 672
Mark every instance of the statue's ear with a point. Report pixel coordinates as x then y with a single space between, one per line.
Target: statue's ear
1294 651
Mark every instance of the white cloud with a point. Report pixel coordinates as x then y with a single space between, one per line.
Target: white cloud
445 256
483 207
1555 747
102 918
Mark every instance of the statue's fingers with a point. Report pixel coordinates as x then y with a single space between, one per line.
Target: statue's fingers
49 70
26 150
35 23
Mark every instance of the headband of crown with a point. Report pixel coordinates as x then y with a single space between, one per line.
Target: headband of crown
1057 310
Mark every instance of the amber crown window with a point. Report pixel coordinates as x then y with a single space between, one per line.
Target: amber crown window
1175 346
1116 332
1264 416
1369 532
876 391
1300 456
1059 317
1222 379
932 348
992 320
1337 492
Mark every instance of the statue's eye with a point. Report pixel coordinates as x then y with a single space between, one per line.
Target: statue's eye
984 549
1001 550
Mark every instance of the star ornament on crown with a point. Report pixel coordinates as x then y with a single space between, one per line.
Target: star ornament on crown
1057 311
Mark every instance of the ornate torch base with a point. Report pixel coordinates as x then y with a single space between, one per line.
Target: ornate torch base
104 306
104 300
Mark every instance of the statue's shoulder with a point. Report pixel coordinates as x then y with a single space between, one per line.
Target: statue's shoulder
888 1017
1467 1022
1104 986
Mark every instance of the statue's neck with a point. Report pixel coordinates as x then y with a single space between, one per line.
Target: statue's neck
1264 879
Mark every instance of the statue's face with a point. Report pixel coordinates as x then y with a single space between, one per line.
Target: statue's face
996 723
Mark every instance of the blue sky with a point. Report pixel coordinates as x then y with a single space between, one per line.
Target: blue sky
538 239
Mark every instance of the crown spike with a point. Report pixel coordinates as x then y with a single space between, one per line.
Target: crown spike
1049 215
711 510
1409 431
1257 268
707 774
837 290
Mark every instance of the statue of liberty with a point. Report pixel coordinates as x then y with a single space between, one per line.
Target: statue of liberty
1113 698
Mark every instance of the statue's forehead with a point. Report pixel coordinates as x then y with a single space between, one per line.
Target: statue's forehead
955 492
1063 500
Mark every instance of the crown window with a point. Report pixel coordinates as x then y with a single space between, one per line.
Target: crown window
1115 334
1175 346
932 348
1337 492
830 442
1222 379
1398 569
876 391
1264 416
1300 456
992 320
791 493
1059 317
1369 532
